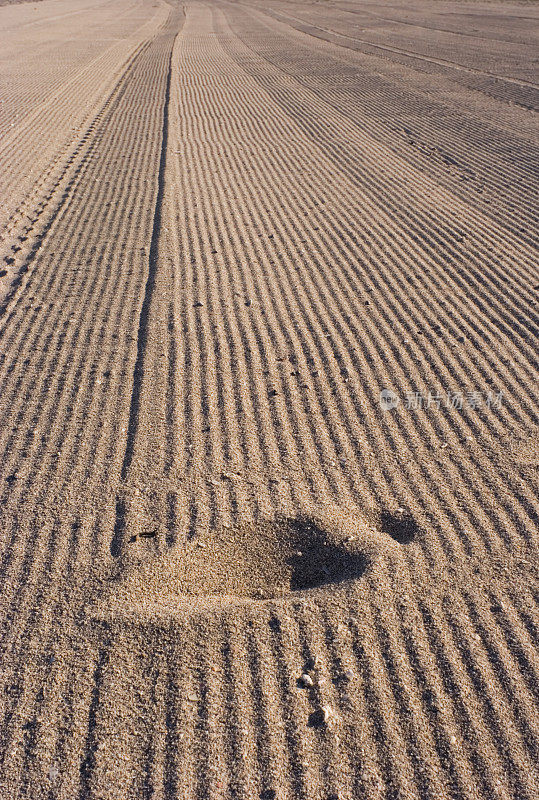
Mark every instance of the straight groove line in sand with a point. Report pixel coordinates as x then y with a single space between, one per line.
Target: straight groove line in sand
142 332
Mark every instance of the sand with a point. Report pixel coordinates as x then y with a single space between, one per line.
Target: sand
268 400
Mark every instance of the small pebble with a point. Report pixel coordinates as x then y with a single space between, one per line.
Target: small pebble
307 680
327 713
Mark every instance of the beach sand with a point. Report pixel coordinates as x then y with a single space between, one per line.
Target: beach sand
268 400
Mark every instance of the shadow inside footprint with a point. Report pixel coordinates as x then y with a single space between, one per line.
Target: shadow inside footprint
317 561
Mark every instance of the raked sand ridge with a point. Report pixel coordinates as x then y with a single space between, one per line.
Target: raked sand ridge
228 569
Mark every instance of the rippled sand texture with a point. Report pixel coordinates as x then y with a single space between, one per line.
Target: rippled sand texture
229 571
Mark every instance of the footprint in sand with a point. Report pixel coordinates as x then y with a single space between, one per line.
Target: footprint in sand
278 559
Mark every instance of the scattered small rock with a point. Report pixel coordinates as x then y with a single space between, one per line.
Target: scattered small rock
198 304
149 534
229 476
306 680
320 717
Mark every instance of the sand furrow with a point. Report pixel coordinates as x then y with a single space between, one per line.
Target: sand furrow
229 570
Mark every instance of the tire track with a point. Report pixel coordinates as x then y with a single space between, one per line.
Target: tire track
527 96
